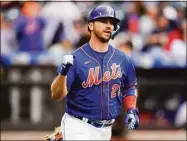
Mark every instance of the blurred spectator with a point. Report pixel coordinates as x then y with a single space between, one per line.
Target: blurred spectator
178 47
148 20
184 30
8 40
123 42
29 28
130 22
162 24
58 50
152 42
127 47
171 106
180 118
157 30
59 12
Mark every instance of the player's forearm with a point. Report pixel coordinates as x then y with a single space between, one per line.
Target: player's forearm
59 88
129 102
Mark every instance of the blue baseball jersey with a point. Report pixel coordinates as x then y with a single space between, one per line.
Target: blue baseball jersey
96 87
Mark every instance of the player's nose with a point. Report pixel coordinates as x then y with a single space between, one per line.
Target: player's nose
109 24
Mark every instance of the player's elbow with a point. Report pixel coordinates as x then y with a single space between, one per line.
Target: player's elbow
56 96
58 92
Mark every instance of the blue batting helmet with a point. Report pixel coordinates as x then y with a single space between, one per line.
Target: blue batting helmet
103 12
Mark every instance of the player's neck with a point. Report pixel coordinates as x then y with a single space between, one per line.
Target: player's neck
98 46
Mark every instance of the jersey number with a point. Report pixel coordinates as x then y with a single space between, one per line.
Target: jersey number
115 90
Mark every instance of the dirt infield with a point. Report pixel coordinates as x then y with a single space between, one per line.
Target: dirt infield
132 135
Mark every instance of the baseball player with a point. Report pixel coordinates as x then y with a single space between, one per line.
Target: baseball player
97 80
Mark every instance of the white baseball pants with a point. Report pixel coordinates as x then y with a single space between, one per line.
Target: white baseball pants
75 129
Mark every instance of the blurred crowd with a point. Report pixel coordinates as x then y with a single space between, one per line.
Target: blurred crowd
152 33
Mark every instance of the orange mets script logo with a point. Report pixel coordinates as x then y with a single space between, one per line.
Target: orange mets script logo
93 75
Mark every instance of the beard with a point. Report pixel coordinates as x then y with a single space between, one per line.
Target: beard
101 38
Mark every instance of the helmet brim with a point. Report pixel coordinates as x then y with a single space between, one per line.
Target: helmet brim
103 16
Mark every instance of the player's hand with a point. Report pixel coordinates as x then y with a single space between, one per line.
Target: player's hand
67 62
55 136
132 119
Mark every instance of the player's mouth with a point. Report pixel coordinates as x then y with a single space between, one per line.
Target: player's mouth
107 32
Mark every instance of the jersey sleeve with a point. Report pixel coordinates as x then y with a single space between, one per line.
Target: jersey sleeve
70 76
130 81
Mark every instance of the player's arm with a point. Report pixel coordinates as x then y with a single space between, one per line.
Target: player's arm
130 101
130 97
130 91
59 88
59 85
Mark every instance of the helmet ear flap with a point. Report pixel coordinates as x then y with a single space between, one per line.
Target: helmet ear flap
115 27
115 32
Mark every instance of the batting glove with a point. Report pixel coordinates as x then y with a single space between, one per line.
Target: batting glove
55 136
67 62
132 119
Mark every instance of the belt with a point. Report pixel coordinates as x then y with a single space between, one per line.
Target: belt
95 123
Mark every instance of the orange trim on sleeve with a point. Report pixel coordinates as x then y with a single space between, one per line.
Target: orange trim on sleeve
129 102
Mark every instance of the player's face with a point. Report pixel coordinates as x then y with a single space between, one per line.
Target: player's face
102 28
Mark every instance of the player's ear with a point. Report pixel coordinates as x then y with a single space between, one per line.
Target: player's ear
90 26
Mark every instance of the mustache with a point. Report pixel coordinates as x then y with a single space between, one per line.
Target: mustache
107 30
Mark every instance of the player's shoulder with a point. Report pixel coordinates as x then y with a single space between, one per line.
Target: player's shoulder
78 51
75 52
120 53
